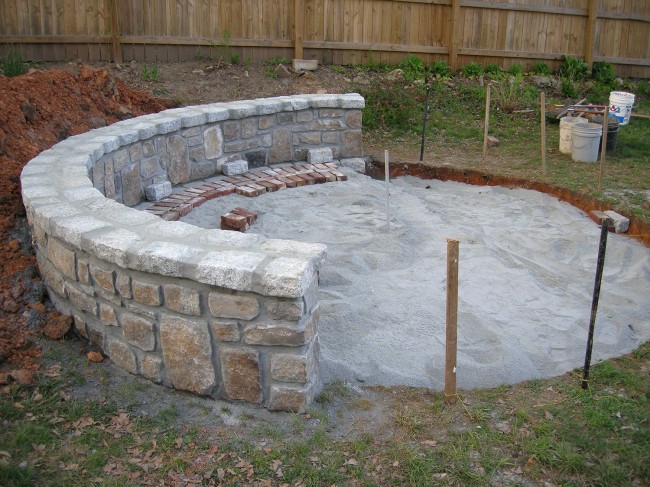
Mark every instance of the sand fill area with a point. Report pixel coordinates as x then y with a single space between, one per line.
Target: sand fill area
526 277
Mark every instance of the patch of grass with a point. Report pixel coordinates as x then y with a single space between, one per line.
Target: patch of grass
573 68
150 72
541 68
440 69
413 67
13 64
471 70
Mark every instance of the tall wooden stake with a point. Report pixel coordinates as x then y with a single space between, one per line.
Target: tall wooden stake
387 177
543 121
424 117
603 149
116 45
452 321
487 122
602 247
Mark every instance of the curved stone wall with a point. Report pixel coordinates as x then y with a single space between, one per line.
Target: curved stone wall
216 313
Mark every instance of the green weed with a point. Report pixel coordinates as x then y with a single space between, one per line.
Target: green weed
13 64
440 69
573 69
471 70
541 68
413 67
150 72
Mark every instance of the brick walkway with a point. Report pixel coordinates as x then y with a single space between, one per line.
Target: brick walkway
252 183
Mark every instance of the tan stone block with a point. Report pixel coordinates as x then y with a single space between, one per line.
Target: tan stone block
151 368
182 299
103 278
233 306
179 160
62 258
187 354
51 276
122 355
351 144
282 334
81 300
80 326
286 367
291 310
291 397
281 149
145 293
138 331
96 336
107 315
123 285
213 143
241 374
83 271
226 331
353 119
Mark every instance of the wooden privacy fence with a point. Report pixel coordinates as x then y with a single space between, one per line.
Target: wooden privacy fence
333 31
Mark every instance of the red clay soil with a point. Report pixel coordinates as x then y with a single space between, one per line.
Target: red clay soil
37 110
639 229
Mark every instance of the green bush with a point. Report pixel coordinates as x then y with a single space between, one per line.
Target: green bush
573 68
150 72
392 105
643 89
471 70
440 69
275 61
413 67
541 68
516 70
513 94
604 73
493 70
14 64
568 88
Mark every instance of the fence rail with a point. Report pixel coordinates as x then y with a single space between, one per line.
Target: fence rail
333 31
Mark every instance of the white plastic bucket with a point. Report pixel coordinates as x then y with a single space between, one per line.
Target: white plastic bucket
566 131
620 106
586 139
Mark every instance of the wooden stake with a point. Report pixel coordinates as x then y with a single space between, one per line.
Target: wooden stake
487 122
116 45
387 176
299 27
603 149
452 321
543 112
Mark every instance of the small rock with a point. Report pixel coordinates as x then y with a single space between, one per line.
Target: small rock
492 141
38 397
13 245
321 92
10 306
199 72
24 377
96 122
281 71
57 328
308 75
542 81
246 74
38 307
395 74
95 357
361 80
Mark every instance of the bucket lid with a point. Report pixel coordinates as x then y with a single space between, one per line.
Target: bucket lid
613 121
588 128
572 120
622 94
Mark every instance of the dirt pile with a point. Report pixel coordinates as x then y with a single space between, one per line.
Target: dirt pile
37 110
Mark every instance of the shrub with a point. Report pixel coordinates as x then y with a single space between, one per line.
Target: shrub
150 72
275 61
569 89
472 70
541 68
604 73
14 64
573 68
493 70
440 69
235 58
413 67
516 70
513 94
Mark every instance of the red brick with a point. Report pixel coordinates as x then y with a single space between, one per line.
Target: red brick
321 167
250 215
290 183
268 185
180 197
198 201
171 216
250 175
183 210
166 203
339 175
198 191
230 180
308 178
270 172
157 211
259 188
319 178
235 221
299 181
331 165
289 169
279 184
330 177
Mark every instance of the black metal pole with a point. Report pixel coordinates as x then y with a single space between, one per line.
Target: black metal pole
594 303
424 118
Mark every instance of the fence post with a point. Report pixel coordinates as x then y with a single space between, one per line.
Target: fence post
589 32
116 45
299 28
453 44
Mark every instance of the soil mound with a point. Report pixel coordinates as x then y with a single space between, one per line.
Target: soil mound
37 110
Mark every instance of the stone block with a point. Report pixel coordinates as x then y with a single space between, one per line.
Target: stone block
107 315
226 331
151 368
240 369
62 258
291 397
120 159
286 118
138 331
146 293
96 336
187 354
304 116
320 155
148 148
351 144
122 355
179 160
323 125
305 64
157 191
51 276
286 367
182 299
80 326
312 138
287 277
233 168
231 131
280 150
103 278
167 258
80 300
280 334
111 244
213 142
256 158
150 167
353 119
231 269
233 306
123 285
131 186
135 151
280 309
248 128
331 137
266 122
619 222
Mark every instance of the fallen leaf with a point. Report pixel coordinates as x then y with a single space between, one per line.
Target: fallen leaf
5 454
351 461
95 357
431 443
548 415
519 470
178 442
395 463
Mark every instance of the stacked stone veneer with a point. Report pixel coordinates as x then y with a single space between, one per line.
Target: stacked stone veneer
212 312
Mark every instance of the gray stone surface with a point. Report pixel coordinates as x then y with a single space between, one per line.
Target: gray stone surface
320 155
233 306
621 224
158 191
233 168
